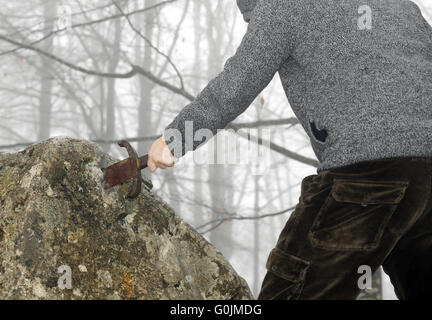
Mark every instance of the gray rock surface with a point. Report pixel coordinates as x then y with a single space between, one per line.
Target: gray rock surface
62 236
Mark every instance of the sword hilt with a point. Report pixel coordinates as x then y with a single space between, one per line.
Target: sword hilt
138 164
143 162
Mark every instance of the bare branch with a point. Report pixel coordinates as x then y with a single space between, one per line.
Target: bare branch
134 69
68 64
275 147
229 218
139 33
90 23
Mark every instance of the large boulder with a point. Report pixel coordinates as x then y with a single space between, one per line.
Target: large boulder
62 236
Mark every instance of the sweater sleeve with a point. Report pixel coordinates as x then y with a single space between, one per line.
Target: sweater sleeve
264 47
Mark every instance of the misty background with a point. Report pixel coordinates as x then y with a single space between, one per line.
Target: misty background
105 70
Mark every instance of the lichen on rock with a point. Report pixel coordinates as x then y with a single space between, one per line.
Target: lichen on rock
64 237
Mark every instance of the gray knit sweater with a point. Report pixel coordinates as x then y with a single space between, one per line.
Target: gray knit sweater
361 86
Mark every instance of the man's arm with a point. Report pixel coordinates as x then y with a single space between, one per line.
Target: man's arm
265 46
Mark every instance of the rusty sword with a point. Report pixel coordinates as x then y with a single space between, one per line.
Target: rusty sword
127 169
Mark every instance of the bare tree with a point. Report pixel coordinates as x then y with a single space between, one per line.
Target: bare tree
45 105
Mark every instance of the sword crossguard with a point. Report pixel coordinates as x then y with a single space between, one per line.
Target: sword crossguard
135 185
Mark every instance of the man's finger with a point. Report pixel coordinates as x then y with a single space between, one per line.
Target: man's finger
161 165
151 165
167 158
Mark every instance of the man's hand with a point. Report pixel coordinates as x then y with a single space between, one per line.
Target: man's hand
160 156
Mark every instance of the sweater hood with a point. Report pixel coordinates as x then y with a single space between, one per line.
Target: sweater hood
246 7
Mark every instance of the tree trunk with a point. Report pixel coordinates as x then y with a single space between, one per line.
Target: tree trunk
45 106
111 90
146 86
198 194
220 174
256 248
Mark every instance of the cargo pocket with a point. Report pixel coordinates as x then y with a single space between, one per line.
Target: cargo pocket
355 214
285 278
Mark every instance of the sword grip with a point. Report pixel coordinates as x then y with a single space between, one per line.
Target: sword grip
143 162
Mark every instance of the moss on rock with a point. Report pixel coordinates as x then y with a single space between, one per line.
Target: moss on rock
54 213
